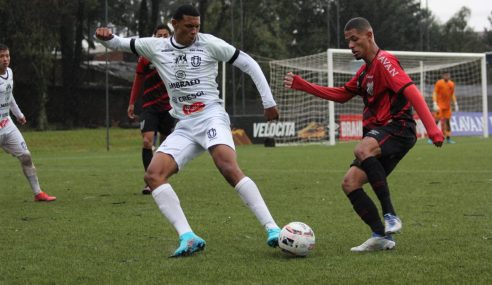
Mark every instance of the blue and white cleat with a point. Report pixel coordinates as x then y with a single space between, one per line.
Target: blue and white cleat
272 236
189 243
392 224
450 141
375 243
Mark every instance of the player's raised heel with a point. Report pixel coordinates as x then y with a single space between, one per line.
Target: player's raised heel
189 243
272 236
392 224
43 197
375 243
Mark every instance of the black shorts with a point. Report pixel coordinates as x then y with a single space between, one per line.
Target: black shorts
395 140
156 121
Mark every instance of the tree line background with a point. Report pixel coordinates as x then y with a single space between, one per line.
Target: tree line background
49 42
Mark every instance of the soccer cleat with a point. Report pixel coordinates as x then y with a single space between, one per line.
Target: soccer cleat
450 141
146 190
392 224
189 243
429 141
44 197
375 243
272 236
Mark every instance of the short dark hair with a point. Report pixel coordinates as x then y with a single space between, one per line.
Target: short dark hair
161 27
3 47
358 23
185 10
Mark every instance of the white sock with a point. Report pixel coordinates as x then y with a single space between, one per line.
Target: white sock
30 173
249 193
168 203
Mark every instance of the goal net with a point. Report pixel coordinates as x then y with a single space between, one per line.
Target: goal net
322 121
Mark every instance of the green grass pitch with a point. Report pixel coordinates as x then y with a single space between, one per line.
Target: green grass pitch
101 230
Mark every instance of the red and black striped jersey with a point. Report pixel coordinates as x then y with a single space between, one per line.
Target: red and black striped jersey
154 90
381 84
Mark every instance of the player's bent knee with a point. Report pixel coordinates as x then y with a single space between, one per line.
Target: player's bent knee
25 158
150 178
350 183
150 181
366 148
347 185
147 143
361 153
154 179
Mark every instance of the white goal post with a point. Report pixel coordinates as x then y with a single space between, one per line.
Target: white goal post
322 121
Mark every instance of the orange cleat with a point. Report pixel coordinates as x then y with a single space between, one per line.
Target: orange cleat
44 197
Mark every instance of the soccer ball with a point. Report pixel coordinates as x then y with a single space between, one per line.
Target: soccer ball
296 238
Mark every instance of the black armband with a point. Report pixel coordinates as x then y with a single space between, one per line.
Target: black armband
132 46
233 58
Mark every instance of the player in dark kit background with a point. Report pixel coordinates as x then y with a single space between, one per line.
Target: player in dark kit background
155 117
388 128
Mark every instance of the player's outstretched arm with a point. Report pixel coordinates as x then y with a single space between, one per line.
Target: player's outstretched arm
249 66
104 33
106 37
337 94
415 98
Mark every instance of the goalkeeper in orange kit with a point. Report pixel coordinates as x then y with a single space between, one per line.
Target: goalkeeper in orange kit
441 98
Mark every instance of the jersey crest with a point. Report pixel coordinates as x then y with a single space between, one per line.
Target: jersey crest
212 133
196 61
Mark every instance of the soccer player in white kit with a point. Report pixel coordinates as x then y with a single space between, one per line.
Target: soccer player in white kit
188 64
11 139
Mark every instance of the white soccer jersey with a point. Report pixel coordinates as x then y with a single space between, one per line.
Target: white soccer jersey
190 72
6 87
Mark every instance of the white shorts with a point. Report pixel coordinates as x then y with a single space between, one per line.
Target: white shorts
12 141
193 136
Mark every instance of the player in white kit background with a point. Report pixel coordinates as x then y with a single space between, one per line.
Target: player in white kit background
188 64
11 139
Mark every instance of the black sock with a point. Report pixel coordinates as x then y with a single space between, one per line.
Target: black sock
366 210
377 178
146 157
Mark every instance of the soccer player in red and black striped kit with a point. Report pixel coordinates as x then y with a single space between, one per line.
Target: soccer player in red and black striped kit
388 128
155 115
